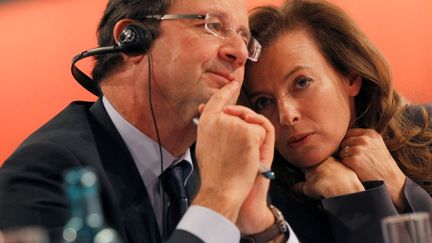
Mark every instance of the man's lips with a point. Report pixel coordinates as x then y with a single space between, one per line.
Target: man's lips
224 75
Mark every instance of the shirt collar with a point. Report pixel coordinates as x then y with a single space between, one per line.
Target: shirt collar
145 152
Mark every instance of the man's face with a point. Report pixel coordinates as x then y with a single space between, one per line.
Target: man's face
189 63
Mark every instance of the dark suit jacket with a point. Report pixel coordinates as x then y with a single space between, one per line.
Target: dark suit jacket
352 218
31 180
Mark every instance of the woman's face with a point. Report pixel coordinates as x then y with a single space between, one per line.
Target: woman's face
309 103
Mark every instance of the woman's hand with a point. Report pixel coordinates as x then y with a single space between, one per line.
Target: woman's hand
329 178
364 151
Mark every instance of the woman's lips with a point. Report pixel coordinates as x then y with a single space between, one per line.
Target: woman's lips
299 140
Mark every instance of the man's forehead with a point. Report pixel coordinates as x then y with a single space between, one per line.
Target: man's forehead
231 9
210 3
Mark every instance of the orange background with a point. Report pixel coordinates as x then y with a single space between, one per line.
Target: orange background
38 38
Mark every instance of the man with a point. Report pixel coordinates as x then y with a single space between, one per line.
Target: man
150 99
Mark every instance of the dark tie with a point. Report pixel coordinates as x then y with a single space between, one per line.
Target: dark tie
174 185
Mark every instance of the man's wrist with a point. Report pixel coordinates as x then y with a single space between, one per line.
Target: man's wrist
225 208
278 231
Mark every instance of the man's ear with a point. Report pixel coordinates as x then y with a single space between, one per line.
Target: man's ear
119 27
355 84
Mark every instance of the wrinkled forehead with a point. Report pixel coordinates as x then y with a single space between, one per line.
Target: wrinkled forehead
235 11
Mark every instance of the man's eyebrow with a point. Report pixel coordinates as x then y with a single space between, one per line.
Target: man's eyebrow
225 15
218 11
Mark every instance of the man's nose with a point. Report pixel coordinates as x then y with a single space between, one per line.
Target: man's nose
234 50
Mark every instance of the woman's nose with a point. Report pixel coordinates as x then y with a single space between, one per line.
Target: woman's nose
289 114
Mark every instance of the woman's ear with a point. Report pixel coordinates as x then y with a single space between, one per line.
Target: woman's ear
355 84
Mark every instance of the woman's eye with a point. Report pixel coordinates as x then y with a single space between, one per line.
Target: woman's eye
262 103
303 82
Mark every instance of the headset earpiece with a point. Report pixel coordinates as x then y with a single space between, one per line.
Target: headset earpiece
135 39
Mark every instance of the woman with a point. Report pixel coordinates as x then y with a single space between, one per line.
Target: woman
349 150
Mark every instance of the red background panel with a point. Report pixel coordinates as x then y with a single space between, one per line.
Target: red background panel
38 38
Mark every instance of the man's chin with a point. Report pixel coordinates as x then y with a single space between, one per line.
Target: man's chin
212 91
209 94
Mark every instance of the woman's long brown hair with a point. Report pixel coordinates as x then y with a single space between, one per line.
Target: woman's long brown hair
406 129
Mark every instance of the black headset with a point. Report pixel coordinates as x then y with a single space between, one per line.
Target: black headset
134 39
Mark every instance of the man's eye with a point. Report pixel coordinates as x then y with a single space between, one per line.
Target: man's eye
246 38
262 103
215 26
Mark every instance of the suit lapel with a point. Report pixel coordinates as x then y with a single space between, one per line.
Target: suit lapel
137 215
133 201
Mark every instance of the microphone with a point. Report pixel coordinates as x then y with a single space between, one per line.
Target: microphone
135 39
